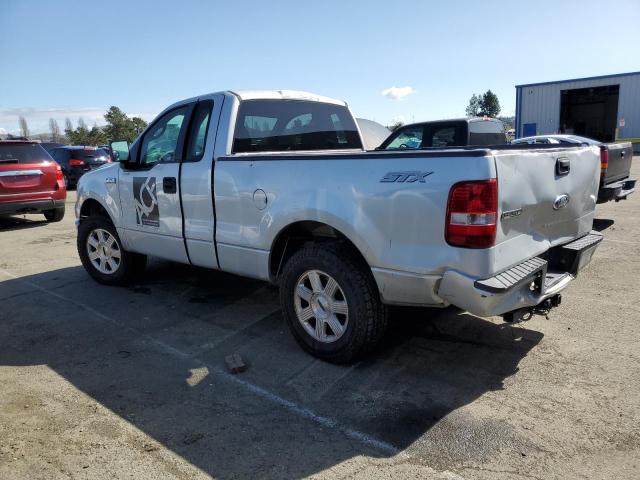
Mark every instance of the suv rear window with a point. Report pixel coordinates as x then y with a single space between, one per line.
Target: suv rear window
23 153
88 153
289 125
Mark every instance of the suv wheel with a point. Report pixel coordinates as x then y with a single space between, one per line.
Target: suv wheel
331 303
102 255
54 215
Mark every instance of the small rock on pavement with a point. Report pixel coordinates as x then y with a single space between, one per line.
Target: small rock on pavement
235 364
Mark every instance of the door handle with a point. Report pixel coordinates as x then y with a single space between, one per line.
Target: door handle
169 185
563 166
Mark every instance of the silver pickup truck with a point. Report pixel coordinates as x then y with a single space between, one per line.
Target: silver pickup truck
275 185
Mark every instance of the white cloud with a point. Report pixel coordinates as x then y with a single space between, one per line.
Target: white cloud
397 93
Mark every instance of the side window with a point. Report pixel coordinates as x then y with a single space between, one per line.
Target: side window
161 141
407 138
198 131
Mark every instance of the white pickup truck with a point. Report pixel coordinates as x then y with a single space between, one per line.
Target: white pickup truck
275 185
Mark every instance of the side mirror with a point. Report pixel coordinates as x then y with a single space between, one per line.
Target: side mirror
120 150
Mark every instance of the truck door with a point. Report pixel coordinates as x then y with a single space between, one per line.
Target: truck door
150 190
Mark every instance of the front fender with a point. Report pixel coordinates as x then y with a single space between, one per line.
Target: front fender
100 185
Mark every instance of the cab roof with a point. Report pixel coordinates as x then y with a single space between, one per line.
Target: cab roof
284 95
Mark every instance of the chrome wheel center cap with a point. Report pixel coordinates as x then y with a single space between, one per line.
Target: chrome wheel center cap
320 305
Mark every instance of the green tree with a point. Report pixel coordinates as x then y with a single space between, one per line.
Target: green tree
474 107
490 104
121 127
483 104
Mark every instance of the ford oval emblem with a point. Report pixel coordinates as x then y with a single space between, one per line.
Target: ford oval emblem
561 201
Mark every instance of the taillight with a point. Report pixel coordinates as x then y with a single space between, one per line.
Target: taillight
74 162
472 213
59 174
108 160
604 161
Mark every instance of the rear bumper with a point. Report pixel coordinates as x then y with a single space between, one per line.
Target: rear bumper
30 206
616 191
524 285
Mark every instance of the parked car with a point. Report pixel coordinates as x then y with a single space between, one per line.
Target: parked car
276 186
373 133
30 181
76 161
49 146
615 163
447 133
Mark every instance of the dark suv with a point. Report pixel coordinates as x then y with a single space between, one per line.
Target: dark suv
75 161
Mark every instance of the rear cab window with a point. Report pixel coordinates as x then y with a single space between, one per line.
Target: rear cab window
487 132
22 153
426 135
293 125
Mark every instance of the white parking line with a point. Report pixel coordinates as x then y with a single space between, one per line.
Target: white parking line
255 389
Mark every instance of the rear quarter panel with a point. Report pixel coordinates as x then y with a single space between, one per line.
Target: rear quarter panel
395 225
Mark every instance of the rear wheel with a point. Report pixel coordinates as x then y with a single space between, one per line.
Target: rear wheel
102 255
331 303
54 215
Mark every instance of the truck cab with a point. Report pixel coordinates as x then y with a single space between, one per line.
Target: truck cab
462 132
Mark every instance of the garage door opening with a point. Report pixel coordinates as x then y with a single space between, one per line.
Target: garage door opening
590 112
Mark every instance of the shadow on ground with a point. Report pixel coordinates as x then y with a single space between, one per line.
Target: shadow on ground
8 223
153 354
601 224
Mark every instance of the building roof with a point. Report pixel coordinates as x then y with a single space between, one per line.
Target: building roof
578 79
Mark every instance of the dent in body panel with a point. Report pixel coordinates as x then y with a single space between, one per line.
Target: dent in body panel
531 184
399 226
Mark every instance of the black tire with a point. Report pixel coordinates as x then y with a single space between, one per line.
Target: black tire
54 215
131 264
367 317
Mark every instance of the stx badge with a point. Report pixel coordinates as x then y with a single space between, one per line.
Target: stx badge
405 177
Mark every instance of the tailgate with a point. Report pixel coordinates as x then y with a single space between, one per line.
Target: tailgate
620 155
546 198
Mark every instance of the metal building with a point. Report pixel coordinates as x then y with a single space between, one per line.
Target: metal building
606 108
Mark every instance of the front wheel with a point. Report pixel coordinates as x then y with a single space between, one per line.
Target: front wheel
102 255
331 303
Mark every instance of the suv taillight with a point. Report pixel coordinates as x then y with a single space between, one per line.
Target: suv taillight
59 174
472 213
74 162
604 161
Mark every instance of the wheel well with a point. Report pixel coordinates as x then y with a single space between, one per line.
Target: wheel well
294 236
92 207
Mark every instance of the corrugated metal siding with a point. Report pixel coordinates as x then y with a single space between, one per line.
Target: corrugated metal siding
540 104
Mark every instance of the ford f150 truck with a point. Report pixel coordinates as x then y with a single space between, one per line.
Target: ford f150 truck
276 186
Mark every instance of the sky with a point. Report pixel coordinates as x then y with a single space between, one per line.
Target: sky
411 60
